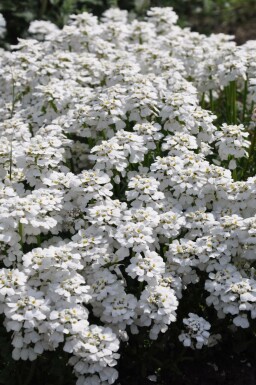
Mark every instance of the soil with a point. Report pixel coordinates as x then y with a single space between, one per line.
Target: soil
243 32
236 373
231 362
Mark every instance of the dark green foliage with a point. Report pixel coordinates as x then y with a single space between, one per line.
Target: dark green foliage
203 15
49 369
18 14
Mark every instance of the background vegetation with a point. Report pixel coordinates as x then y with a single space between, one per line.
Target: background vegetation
230 16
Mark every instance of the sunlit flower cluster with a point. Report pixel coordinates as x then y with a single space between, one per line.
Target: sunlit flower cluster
120 191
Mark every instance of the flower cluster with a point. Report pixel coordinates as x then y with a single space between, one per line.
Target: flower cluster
118 191
2 26
196 329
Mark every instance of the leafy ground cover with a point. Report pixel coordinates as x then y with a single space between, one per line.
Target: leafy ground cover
127 204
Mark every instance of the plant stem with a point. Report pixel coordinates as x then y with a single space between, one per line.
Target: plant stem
20 228
10 168
251 151
234 175
203 100
245 91
233 92
226 90
39 241
112 3
43 8
211 101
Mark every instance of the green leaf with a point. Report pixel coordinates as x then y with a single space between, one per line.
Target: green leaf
27 15
55 2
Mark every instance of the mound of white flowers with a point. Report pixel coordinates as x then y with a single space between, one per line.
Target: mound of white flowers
118 191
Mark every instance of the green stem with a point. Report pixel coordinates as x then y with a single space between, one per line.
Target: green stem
253 142
20 228
226 90
39 241
11 163
112 3
72 166
245 92
211 101
43 8
141 286
231 109
251 152
234 175
233 87
203 100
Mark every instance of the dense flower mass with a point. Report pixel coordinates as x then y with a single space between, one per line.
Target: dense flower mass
119 190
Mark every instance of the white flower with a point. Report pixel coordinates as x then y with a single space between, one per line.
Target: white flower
231 141
42 28
67 321
116 188
157 305
2 25
146 268
196 334
29 308
94 350
150 133
143 190
135 235
119 309
11 282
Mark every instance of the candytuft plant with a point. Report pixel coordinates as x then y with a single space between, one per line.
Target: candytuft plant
128 204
